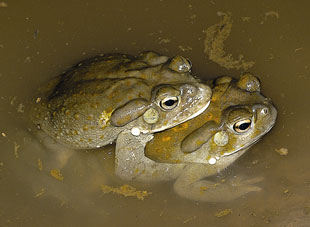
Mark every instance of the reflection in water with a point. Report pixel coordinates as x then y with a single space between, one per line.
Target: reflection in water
40 40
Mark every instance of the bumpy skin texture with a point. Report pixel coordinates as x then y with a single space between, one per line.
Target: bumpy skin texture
89 105
237 117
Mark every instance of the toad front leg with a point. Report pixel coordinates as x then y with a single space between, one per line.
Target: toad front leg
131 163
191 186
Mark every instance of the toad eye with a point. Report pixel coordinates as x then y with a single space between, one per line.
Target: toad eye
242 126
169 103
264 111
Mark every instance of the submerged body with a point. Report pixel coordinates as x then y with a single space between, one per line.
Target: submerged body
237 117
89 105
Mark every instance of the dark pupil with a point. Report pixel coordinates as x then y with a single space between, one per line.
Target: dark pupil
169 102
244 126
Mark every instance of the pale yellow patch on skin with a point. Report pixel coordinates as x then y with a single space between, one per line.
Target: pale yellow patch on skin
105 118
199 142
180 127
166 138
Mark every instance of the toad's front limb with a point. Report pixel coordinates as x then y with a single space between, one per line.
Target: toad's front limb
131 163
191 185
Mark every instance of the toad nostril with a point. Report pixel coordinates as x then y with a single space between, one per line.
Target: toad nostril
267 101
189 89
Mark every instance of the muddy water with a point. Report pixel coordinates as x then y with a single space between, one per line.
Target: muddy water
40 39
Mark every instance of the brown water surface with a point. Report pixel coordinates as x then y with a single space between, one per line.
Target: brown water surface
41 39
